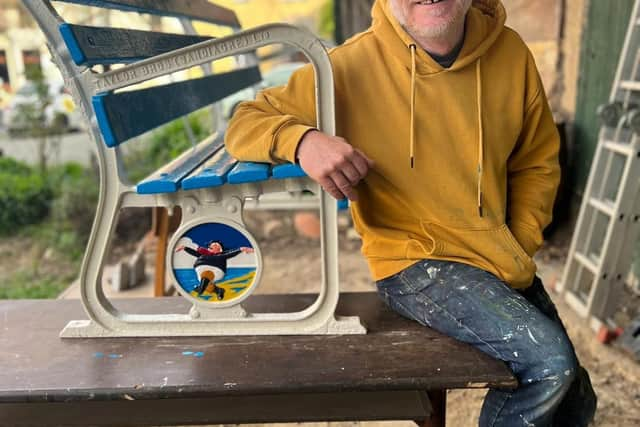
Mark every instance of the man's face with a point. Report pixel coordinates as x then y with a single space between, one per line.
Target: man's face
215 247
430 18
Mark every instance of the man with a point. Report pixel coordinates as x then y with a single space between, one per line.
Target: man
449 152
211 264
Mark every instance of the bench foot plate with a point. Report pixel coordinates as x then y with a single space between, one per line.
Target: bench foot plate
90 329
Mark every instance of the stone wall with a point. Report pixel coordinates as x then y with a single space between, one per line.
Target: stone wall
553 30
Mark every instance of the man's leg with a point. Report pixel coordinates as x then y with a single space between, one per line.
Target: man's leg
475 307
202 286
579 404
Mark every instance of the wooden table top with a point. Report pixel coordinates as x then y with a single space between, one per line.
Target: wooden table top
396 354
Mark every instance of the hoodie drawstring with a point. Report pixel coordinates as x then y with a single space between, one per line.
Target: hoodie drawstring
412 133
412 130
480 135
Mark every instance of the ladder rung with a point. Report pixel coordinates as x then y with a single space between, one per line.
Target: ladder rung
624 149
630 85
586 262
605 207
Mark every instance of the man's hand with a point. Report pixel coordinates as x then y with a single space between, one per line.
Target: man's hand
333 163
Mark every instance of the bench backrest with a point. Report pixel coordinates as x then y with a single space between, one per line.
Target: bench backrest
124 115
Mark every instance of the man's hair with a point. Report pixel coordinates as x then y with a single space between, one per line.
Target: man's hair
216 241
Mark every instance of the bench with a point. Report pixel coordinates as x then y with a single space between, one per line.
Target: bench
208 186
399 370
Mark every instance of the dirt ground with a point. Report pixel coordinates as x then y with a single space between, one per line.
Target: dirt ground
615 376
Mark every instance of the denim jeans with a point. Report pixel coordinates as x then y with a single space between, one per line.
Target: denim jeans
522 328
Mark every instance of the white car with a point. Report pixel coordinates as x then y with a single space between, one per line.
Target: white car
61 111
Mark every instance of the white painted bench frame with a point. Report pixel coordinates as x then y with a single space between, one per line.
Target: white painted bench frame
224 202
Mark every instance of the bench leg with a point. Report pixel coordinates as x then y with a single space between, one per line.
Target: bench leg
438 399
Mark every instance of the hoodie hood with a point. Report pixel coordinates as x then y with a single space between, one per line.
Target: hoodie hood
485 23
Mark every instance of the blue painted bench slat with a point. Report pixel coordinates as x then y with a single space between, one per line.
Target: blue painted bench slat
99 45
213 173
122 116
245 172
289 170
168 179
200 10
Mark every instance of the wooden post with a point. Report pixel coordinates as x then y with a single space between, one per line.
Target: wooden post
161 227
438 400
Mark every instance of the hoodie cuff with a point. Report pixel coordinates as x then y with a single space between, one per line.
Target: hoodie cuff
287 140
527 236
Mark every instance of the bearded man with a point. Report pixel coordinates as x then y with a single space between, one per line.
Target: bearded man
448 151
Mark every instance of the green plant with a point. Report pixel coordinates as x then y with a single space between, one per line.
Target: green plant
33 116
25 197
327 26
73 209
28 284
11 166
165 144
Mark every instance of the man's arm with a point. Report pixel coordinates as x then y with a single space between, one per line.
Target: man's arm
533 171
270 128
280 126
192 252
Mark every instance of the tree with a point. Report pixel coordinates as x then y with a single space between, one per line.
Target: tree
33 114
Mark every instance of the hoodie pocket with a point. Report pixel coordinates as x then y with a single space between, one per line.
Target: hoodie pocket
493 249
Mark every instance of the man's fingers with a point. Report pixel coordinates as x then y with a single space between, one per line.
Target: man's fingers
331 188
344 186
352 173
361 164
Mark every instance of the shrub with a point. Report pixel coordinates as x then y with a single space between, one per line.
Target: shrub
73 210
14 167
25 196
30 285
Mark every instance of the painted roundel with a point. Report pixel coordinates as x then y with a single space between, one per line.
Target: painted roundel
215 262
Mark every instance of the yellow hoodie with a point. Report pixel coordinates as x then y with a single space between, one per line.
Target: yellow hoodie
484 144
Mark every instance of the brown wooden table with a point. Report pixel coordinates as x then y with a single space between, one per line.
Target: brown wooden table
398 371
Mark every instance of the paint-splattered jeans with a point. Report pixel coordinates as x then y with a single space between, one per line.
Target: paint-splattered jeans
521 328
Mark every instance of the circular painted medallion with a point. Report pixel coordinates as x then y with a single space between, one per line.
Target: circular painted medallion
215 263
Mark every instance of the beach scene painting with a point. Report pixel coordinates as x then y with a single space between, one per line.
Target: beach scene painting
214 262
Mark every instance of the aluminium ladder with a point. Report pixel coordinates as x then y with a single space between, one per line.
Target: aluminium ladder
608 224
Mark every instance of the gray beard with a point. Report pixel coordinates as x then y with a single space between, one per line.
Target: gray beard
430 32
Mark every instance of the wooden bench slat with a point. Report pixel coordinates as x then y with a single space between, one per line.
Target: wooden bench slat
245 172
288 170
122 116
168 178
201 10
213 173
101 45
